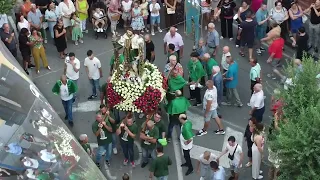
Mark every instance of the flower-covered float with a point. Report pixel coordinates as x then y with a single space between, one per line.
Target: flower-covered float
136 85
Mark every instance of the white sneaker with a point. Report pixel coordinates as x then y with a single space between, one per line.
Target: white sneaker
221 37
260 172
76 43
152 33
159 29
115 151
80 41
230 39
260 177
101 30
45 41
201 178
237 46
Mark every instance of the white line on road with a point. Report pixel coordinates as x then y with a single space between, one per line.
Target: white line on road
87 106
239 139
177 153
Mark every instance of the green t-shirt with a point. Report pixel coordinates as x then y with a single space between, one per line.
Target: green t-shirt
86 147
150 133
160 165
121 59
161 127
124 135
43 176
174 54
196 70
103 90
114 126
211 62
107 135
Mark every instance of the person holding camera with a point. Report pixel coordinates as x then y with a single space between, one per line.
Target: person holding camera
235 155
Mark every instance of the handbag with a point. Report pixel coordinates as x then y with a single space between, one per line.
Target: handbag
231 157
170 11
304 18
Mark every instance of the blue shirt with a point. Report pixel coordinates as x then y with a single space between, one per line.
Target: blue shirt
213 39
34 18
232 73
260 16
15 149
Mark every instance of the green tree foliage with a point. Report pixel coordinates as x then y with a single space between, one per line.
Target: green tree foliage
297 143
6 6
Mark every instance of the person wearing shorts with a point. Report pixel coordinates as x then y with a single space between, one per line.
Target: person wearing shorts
126 12
210 105
155 16
275 54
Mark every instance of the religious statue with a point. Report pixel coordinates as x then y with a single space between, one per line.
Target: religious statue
133 51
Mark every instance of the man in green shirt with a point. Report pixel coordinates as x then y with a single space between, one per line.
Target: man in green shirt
103 130
84 141
210 62
114 125
127 132
149 136
160 125
186 142
196 72
121 59
160 166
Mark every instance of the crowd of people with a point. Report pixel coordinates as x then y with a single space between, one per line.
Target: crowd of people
256 24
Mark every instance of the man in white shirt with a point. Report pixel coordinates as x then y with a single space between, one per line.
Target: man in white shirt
155 16
257 103
218 171
94 72
71 69
66 88
172 37
34 164
235 155
47 156
203 164
210 105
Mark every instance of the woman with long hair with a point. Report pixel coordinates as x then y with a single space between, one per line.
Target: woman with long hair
67 8
279 15
38 51
257 150
170 14
295 13
247 137
242 12
114 14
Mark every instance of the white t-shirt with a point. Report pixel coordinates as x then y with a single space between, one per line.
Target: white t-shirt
24 24
220 174
236 158
30 174
47 156
98 15
126 5
176 40
93 66
257 100
155 6
224 63
70 73
210 95
64 92
207 162
35 163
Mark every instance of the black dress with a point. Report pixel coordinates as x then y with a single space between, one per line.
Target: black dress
60 42
247 136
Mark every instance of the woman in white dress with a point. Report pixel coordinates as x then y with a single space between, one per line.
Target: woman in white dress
66 9
257 151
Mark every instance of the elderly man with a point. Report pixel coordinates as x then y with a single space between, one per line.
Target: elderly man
210 62
149 136
212 39
201 50
66 89
35 19
172 37
8 39
186 141
218 82
203 164
257 103
224 64
210 105
150 53
231 81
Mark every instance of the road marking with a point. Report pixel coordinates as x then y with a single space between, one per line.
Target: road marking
87 106
177 153
239 139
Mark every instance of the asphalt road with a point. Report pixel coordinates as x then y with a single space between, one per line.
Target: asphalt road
234 118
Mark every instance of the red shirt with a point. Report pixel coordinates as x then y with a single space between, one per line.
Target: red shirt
276 47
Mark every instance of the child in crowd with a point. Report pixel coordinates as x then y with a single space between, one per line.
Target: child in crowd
137 19
144 8
155 16
77 34
126 12
99 16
